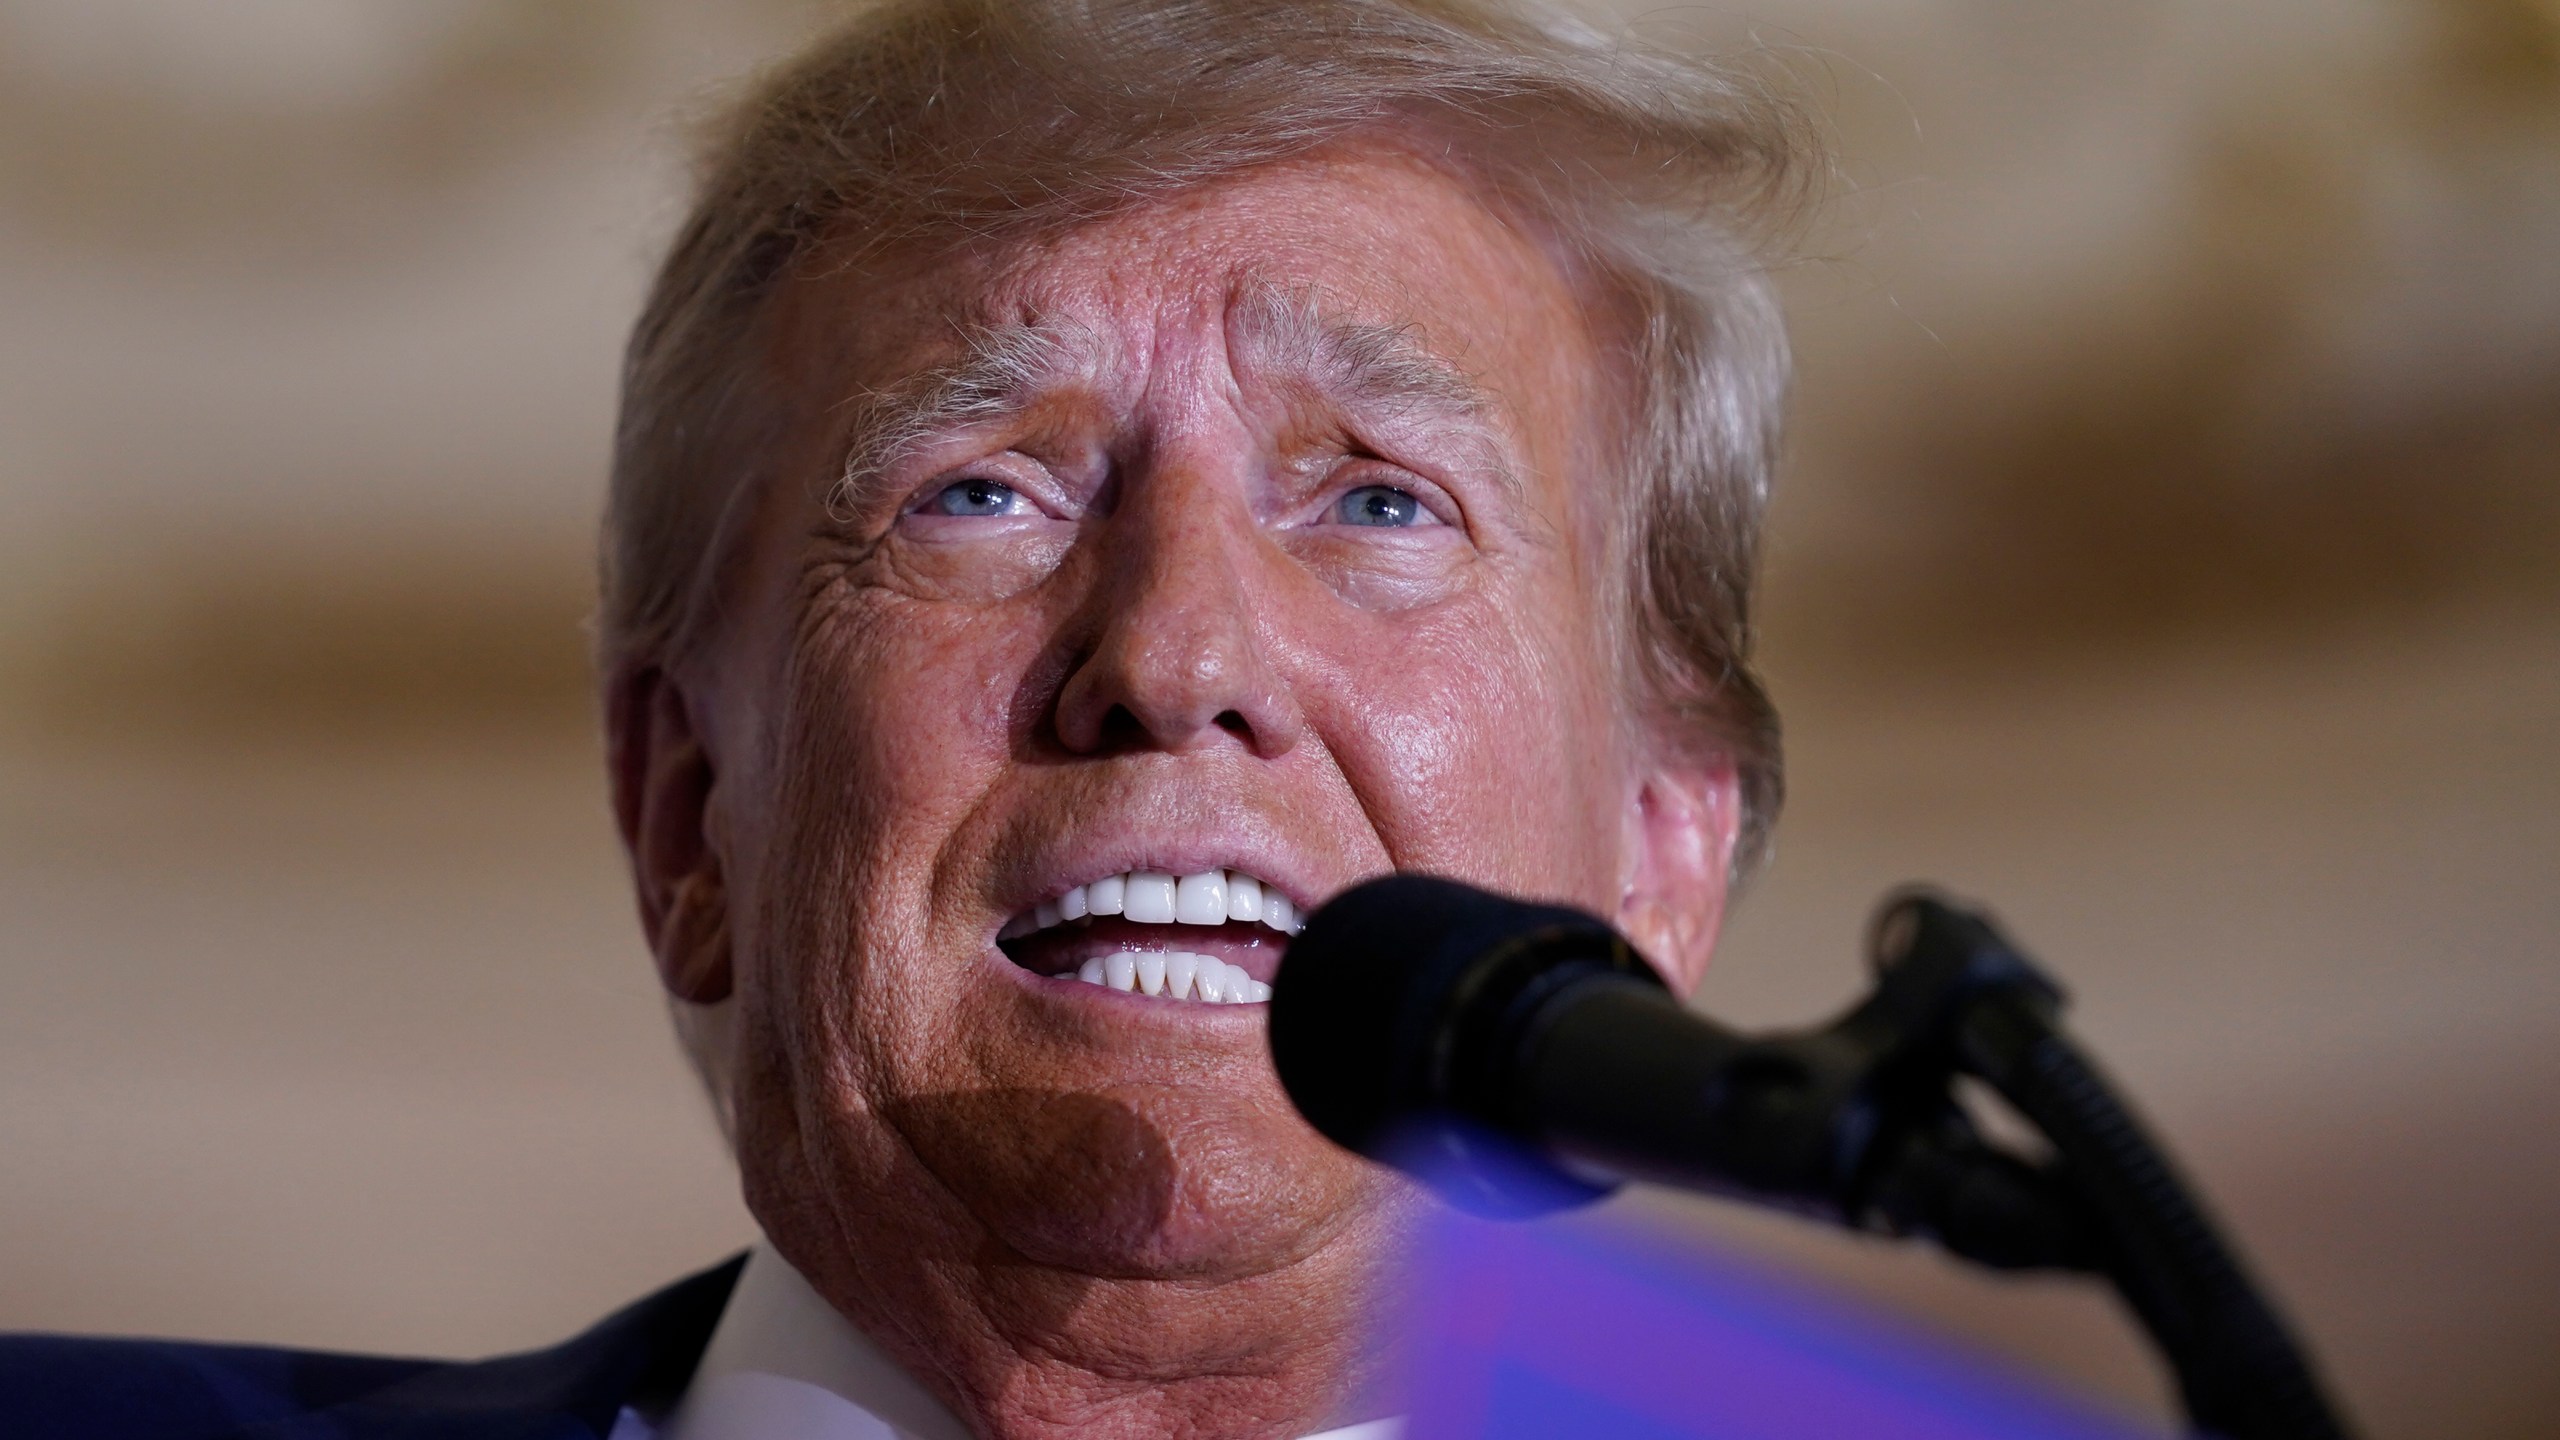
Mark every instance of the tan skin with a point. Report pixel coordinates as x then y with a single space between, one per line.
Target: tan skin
1175 635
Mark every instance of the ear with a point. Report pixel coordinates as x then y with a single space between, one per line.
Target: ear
1682 819
662 788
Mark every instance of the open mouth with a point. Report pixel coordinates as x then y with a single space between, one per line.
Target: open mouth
1213 938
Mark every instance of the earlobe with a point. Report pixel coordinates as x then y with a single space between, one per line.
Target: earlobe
662 794
1682 821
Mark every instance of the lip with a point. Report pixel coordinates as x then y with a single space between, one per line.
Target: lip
1176 824
1093 857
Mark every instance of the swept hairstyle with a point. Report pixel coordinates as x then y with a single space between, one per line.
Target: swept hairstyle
1660 182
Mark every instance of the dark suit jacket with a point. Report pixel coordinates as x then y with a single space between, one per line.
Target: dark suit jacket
55 1387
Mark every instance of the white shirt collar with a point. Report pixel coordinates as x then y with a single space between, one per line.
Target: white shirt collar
782 1363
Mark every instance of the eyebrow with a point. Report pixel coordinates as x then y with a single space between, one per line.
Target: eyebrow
995 372
1384 374
1386 378
1376 368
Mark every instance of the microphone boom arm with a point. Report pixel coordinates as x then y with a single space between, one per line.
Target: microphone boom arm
1859 1123
1513 1027
1954 997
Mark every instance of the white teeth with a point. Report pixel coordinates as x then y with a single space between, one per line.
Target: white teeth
1150 899
1153 897
1244 896
1202 899
1174 975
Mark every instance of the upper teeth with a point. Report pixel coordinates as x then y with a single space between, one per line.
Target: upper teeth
1151 897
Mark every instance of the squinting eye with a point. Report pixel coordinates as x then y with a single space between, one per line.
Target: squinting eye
1381 505
978 497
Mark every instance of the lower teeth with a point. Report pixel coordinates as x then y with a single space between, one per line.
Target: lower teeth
1176 975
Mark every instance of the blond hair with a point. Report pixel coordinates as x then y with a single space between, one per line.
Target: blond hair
938 123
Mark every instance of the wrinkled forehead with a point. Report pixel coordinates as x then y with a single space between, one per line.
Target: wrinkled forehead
1365 278
1116 337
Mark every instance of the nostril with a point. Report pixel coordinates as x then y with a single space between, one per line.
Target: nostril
1121 729
1234 723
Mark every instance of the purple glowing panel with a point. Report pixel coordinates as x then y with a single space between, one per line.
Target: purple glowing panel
1552 1330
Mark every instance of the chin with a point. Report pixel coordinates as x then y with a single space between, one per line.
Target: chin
1154 1182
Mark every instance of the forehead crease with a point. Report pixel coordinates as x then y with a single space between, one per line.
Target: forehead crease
1289 331
1002 348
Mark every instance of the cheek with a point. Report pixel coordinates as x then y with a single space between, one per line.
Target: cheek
898 721
1480 742
905 711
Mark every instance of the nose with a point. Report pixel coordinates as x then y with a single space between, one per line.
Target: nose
1175 661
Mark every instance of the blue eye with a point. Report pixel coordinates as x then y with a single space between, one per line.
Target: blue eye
978 497
1379 505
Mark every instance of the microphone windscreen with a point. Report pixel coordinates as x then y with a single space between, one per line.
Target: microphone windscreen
1356 998
1393 1024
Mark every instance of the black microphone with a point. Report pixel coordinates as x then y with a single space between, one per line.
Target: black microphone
1522 1058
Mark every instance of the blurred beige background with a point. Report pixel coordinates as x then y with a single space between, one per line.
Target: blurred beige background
2171 556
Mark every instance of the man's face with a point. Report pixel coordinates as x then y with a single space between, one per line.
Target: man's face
1262 535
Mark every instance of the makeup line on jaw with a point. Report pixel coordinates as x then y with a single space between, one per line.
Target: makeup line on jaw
1212 937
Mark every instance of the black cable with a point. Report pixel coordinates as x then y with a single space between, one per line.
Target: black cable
2241 1373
